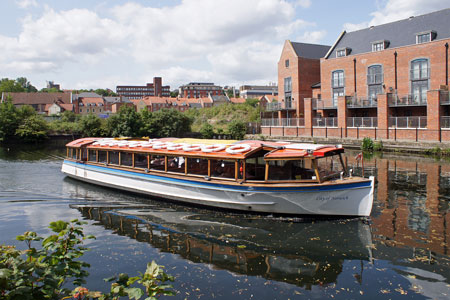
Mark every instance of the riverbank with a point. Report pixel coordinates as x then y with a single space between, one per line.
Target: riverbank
407 147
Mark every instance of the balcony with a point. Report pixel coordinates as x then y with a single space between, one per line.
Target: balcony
444 98
361 103
325 122
445 122
324 104
274 106
408 100
362 122
285 122
408 122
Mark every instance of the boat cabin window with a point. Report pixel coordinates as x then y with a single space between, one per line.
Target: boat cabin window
74 153
158 162
223 168
197 166
301 169
140 161
176 164
102 157
126 159
329 167
255 168
83 153
92 155
114 157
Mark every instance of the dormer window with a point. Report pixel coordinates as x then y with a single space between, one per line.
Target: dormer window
425 37
343 52
379 45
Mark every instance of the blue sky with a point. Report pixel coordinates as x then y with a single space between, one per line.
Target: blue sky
99 44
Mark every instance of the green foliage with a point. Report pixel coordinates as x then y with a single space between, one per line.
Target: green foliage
207 131
237 129
68 116
42 273
50 90
33 129
378 146
436 151
127 122
367 144
252 102
174 93
10 85
28 87
91 125
9 120
165 123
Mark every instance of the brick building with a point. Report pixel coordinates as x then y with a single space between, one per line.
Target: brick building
199 90
257 91
151 89
39 101
388 81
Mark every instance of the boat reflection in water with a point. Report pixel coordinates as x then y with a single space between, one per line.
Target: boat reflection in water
302 253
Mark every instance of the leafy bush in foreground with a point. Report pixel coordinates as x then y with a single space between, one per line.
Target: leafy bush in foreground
43 273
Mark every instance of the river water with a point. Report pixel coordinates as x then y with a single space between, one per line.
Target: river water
401 251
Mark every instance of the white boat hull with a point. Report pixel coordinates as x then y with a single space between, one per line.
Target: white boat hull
354 199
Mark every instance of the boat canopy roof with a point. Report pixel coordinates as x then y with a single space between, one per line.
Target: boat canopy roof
221 149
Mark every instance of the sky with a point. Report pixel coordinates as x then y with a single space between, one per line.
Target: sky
101 44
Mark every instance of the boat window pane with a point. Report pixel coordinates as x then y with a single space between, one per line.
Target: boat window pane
157 162
126 159
102 157
329 166
114 157
93 155
175 164
140 161
255 168
197 166
222 168
291 170
74 154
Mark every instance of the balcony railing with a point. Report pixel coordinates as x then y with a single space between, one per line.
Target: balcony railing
324 104
444 97
362 122
325 122
408 122
274 106
361 103
286 122
408 100
445 122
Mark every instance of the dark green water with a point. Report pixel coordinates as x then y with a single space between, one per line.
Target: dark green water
403 251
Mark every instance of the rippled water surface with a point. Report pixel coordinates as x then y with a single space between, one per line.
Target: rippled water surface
402 251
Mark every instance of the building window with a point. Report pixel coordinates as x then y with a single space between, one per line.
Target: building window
337 84
419 76
377 46
340 53
425 37
374 81
286 63
288 84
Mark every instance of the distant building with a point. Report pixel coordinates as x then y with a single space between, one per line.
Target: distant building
37 100
52 85
199 90
88 103
257 91
151 89
57 108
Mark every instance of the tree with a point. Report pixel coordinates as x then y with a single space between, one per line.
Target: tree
29 88
91 125
68 116
207 131
9 85
171 122
50 90
105 92
25 111
253 102
127 122
174 93
237 129
33 129
9 120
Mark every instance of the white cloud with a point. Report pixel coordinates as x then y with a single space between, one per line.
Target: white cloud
220 41
304 3
394 10
312 37
24 4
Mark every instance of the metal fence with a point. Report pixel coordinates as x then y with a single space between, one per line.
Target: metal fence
444 97
355 102
362 122
287 122
324 103
445 122
408 122
407 100
325 122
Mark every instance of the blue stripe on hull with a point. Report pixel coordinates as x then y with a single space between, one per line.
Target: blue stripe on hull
211 185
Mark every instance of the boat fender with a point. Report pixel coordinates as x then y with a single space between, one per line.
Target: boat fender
176 146
235 149
160 146
193 147
213 148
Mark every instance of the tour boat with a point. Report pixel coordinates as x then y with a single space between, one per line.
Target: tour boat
254 176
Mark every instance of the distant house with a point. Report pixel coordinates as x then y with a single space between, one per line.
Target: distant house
256 91
199 90
88 103
113 104
37 100
57 108
237 100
